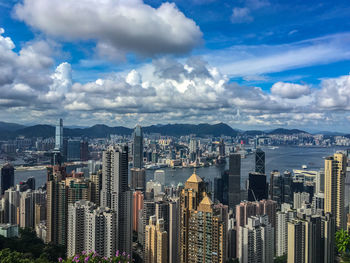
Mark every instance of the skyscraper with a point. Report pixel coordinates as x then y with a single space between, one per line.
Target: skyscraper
234 180
84 150
202 229
156 241
174 229
257 187
334 182
138 179
73 150
56 205
138 147
7 177
116 194
59 136
260 161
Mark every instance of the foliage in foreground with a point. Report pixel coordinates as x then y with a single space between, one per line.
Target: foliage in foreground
30 247
342 242
93 257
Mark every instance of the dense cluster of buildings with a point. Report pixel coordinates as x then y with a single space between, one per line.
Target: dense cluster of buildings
113 207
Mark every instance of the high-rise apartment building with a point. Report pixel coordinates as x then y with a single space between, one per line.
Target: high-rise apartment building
202 229
319 182
27 209
116 194
138 147
300 199
174 230
159 176
234 180
282 219
311 239
78 189
96 186
256 243
156 241
137 206
7 177
56 205
260 161
334 178
91 228
247 209
148 210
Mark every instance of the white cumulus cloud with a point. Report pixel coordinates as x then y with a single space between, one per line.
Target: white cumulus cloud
117 26
289 90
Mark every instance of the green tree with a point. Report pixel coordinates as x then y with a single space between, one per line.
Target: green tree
342 241
281 259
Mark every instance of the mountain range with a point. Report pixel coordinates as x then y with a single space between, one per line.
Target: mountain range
12 130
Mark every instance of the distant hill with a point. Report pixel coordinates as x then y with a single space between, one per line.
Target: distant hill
102 131
283 131
186 129
12 130
6 126
254 132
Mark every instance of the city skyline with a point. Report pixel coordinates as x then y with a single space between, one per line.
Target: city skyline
253 64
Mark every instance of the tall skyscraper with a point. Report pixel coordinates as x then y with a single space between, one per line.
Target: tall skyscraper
260 161
84 150
156 241
7 177
73 150
59 136
138 147
116 194
202 229
234 180
138 179
334 178
257 187
256 243
56 205
174 230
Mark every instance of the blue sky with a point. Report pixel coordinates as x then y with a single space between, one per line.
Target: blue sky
250 63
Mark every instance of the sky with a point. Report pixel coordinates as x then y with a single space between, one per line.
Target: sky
253 64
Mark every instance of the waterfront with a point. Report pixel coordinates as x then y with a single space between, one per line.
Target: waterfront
282 158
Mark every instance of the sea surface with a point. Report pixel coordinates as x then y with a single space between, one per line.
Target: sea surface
282 158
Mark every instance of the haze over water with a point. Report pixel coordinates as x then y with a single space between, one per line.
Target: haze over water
282 159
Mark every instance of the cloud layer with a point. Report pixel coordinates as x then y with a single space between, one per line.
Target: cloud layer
165 90
117 27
